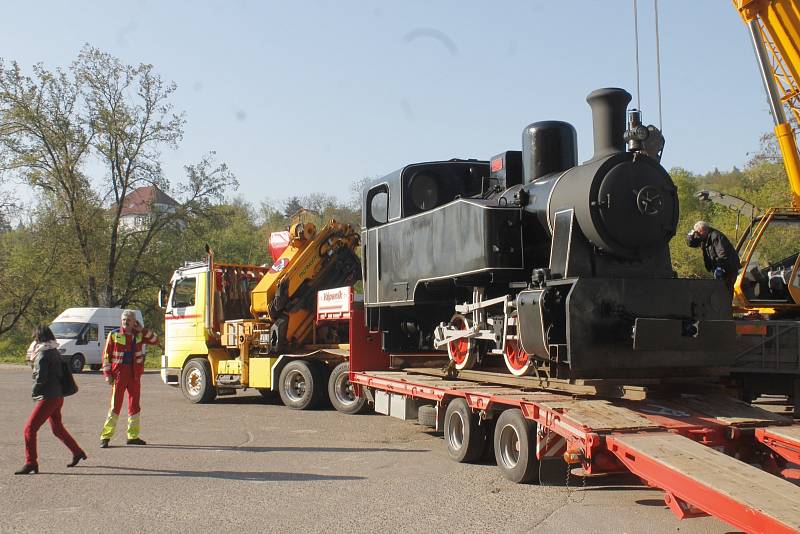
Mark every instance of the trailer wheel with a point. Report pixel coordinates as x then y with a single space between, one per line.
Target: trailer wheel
513 446
426 415
196 382
341 393
465 438
300 385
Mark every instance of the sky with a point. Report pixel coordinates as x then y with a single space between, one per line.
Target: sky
310 96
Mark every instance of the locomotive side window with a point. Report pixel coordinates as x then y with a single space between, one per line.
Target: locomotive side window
424 192
378 202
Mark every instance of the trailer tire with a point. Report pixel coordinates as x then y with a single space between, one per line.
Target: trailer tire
426 415
301 385
340 391
196 382
514 449
464 437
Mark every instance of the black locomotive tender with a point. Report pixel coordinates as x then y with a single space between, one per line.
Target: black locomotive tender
563 269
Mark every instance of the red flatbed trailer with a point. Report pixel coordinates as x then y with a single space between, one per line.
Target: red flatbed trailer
698 448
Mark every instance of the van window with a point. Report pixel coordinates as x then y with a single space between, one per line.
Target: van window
183 294
91 332
107 330
66 330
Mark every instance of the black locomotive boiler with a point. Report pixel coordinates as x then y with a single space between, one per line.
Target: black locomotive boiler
562 269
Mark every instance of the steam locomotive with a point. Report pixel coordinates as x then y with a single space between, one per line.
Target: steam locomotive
561 269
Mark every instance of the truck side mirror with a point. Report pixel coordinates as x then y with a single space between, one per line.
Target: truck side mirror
162 297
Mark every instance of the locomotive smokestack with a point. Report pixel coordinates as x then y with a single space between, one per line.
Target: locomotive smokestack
547 147
608 117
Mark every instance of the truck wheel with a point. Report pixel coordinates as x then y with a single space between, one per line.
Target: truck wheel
465 438
196 382
426 415
95 367
76 363
300 385
341 393
513 446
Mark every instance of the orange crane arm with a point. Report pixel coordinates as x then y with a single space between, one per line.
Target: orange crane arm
775 29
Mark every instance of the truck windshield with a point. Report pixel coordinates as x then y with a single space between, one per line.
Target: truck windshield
67 330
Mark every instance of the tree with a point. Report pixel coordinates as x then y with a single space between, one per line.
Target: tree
292 206
121 115
26 264
45 138
131 118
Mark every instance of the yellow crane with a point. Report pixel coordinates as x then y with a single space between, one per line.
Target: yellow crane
768 283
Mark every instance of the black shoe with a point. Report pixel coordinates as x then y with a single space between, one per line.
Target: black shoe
103 443
77 458
137 441
27 469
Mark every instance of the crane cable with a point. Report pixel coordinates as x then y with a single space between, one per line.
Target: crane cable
658 60
658 67
636 38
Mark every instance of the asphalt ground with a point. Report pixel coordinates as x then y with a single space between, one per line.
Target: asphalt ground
251 465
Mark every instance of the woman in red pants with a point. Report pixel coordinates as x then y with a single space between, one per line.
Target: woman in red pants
47 373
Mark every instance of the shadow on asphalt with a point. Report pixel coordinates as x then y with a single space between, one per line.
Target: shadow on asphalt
280 449
275 476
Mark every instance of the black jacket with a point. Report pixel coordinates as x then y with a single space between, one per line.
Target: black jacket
48 371
719 252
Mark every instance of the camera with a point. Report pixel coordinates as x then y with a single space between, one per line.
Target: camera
693 239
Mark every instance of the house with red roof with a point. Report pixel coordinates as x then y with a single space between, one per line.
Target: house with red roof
141 204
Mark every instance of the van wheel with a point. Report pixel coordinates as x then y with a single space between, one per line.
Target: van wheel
341 393
196 382
76 363
95 367
514 447
301 385
465 438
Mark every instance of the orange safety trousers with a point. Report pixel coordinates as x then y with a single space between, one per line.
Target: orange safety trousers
126 380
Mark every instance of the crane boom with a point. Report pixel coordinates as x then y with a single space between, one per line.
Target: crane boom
775 29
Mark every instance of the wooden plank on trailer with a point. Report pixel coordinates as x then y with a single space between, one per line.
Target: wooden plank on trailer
531 382
600 415
737 480
786 433
424 381
730 411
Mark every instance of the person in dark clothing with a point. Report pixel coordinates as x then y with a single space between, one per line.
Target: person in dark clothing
719 255
47 392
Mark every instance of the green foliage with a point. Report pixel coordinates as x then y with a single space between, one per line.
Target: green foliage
13 346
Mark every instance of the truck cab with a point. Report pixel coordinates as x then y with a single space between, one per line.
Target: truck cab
196 306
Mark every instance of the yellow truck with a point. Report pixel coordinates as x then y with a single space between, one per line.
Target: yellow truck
231 327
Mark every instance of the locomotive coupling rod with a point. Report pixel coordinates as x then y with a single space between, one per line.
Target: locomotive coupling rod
444 335
467 308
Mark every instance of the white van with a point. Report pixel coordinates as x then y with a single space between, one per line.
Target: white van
81 334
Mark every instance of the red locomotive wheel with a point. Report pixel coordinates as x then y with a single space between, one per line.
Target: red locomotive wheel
517 360
463 351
